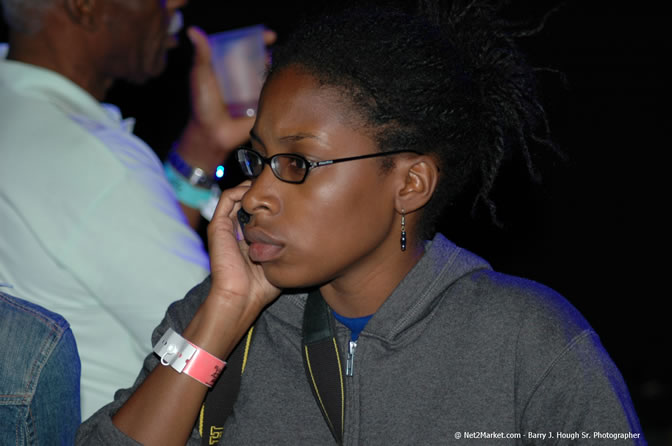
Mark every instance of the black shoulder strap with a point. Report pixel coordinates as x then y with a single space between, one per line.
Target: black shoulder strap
323 363
219 400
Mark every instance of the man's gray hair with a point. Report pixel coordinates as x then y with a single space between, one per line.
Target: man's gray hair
25 16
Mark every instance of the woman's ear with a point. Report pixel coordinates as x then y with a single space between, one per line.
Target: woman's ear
420 177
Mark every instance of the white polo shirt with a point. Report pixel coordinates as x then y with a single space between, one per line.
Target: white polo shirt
89 226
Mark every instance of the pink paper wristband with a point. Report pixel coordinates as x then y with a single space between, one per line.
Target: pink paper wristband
204 367
185 357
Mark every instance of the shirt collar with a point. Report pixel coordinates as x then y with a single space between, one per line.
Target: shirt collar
44 84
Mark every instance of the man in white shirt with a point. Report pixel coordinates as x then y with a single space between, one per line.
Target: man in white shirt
89 225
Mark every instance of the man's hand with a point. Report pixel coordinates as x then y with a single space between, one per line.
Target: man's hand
211 134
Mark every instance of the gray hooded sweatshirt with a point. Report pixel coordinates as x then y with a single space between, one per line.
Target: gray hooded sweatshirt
458 353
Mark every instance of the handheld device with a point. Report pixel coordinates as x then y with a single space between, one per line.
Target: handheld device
243 217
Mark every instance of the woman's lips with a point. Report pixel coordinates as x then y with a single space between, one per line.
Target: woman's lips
262 247
263 252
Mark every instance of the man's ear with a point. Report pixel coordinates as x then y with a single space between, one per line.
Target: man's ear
84 12
420 178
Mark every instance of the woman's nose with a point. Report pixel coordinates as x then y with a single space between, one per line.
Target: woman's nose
263 196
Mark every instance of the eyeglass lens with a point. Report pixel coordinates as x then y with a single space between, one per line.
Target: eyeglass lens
287 167
250 163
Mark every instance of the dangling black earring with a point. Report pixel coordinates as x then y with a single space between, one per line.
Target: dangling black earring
403 230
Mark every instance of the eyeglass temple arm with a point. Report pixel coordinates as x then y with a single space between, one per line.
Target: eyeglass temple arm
352 158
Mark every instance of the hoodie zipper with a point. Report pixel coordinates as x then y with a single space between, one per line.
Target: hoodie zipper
350 360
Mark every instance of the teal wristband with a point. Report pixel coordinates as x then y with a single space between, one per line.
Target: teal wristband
188 194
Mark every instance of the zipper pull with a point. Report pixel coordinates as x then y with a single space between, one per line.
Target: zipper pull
350 361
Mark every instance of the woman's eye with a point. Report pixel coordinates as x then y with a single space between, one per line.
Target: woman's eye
297 163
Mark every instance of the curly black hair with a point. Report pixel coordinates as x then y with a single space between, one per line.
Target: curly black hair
450 82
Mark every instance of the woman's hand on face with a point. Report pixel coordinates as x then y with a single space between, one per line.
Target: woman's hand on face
234 276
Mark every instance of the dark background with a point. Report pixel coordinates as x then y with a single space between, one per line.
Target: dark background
593 229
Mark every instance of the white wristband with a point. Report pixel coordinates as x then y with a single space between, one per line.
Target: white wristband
187 358
208 208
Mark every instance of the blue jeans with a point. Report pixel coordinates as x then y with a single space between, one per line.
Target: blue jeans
39 376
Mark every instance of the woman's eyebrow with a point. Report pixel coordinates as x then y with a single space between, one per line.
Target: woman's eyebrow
298 137
289 138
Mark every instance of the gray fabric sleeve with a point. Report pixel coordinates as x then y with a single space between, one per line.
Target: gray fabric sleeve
99 429
581 399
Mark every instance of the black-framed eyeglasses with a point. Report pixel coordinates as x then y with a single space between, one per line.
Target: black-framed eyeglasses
292 167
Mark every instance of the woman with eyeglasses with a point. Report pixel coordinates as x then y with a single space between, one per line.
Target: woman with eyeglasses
367 326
